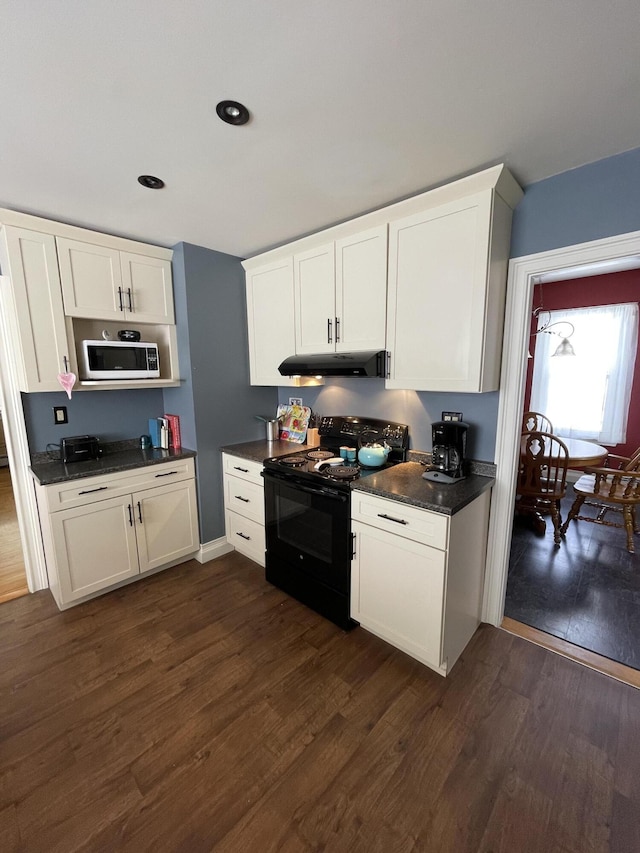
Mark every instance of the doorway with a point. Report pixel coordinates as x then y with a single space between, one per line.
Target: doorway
13 580
586 259
17 446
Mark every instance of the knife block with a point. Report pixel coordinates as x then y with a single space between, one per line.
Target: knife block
312 438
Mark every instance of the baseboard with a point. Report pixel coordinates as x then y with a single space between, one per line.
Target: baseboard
211 550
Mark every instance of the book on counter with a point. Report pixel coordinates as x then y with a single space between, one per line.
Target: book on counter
154 432
175 438
159 432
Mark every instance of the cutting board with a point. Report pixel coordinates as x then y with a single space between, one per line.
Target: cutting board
294 421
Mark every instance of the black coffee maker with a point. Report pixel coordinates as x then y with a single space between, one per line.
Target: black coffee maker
449 444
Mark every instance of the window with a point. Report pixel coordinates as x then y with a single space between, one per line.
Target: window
587 395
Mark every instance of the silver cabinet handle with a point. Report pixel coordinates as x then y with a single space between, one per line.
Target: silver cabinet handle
244 536
329 330
391 518
244 500
337 330
89 491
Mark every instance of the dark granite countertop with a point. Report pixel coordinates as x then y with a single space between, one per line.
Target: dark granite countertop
47 471
258 451
404 483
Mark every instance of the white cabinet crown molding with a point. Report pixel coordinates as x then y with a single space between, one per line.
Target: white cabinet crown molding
87 235
497 178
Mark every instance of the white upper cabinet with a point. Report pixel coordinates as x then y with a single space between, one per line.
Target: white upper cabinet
63 285
100 282
315 300
340 294
423 278
33 298
270 321
361 291
148 283
447 279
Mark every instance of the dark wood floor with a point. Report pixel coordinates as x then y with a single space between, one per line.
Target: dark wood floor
202 709
586 591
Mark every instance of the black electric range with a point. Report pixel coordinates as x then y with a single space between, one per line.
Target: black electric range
308 512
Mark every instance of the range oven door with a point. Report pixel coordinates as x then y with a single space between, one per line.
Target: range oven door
308 540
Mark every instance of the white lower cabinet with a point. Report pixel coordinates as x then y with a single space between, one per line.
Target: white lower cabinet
102 531
244 506
417 576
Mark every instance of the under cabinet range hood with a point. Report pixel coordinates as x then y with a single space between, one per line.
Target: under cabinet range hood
369 363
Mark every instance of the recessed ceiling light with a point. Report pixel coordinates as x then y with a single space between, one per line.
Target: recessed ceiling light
232 112
151 182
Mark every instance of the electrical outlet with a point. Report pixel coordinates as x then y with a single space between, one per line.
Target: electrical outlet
295 401
60 415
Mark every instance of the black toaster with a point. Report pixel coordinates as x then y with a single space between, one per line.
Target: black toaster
78 448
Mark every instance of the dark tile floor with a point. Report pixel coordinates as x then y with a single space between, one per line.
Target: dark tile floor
586 591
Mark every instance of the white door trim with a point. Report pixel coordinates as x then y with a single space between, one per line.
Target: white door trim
523 274
17 445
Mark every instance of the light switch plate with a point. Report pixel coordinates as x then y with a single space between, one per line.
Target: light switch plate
60 415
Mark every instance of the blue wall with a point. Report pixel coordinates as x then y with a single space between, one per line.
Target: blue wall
418 409
590 203
216 404
111 415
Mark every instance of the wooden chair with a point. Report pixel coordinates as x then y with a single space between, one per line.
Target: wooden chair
536 422
613 487
542 478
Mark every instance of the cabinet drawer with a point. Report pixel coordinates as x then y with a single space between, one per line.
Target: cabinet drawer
246 536
87 490
246 469
410 522
244 497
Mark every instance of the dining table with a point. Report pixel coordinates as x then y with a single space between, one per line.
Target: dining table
584 454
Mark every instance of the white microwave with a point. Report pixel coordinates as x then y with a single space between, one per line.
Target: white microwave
114 360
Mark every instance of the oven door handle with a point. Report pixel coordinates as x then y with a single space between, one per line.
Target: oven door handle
325 493
293 483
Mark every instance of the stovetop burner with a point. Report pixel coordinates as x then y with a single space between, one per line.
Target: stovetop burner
342 472
293 461
319 454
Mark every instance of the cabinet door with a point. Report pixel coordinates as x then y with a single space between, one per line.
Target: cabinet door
95 546
29 259
91 280
397 592
166 523
438 266
361 291
148 289
270 317
315 300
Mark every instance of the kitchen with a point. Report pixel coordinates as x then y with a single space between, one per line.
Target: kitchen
212 332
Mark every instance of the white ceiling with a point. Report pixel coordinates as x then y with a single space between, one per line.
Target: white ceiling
354 103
